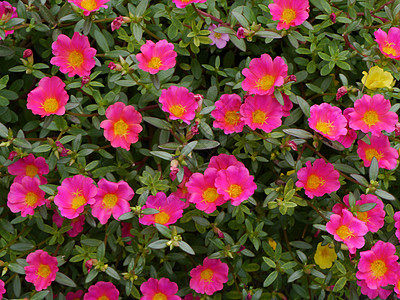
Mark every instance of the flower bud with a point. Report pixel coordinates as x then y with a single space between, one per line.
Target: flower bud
397 129
85 80
240 34
333 18
12 155
341 92
27 53
116 23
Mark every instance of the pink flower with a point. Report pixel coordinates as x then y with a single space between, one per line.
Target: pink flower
203 191
263 74
210 277
183 3
235 184
111 198
378 266
77 224
179 103
289 12
223 161
328 121
102 290
380 149
373 115
74 296
25 195
396 218
218 39
226 114
182 191
319 179
287 106
373 293
41 269
7 12
73 56
389 43
122 126
170 209
163 289
156 57
73 194
2 289
261 111
49 98
89 5
373 218
351 135
347 229
29 166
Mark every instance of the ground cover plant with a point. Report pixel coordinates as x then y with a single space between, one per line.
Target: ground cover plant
199 149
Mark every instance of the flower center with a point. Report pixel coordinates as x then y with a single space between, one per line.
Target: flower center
110 200
161 218
378 268
324 252
266 82
103 298
160 296
388 49
120 128
370 153
259 116
207 274
155 63
89 5
75 59
31 170
177 110
232 117
314 182
362 216
288 15
235 191
370 117
78 200
217 35
50 105
31 198
43 271
344 232
324 127
210 195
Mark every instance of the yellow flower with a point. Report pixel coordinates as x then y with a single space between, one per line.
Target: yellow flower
272 243
376 78
325 256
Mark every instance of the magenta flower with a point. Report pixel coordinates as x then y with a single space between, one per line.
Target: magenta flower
179 103
73 56
2 289
396 218
378 266
373 115
289 12
223 161
73 194
89 5
170 209
183 3
203 191
373 293
49 98
263 74
218 39
77 224
102 290
156 57
7 12
29 166
287 106
380 149
126 230
41 269
209 277
162 289
351 135
347 229
328 121
389 43
111 198
261 111
74 296
235 184
319 179
25 195
226 114
122 126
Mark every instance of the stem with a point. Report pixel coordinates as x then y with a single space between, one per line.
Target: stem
150 33
316 209
197 11
82 115
346 40
14 239
200 12
135 80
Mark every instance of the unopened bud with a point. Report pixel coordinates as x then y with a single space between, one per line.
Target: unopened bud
397 129
27 53
85 80
292 78
12 155
333 18
89 265
241 249
341 92
241 33
116 23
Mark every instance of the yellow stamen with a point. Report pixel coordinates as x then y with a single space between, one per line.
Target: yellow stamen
232 117
259 117
75 59
314 182
31 170
378 268
109 200
207 275
155 63
177 110
78 200
159 296
363 216
103 298
50 105
370 153
161 218
235 191
89 4
120 128
210 195
217 35
43 271
324 127
288 15
31 199
266 82
388 49
344 232
371 117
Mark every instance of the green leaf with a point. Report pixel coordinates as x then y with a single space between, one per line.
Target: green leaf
40 295
162 154
160 244
340 267
185 247
141 8
385 195
240 44
269 262
339 285
373 169
92 275
150 211
158 123
201 221
64 280
296 275
189 148
164 230
21 142
91 242
3 131
114 274
270 279
300 133
101 41
366 206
